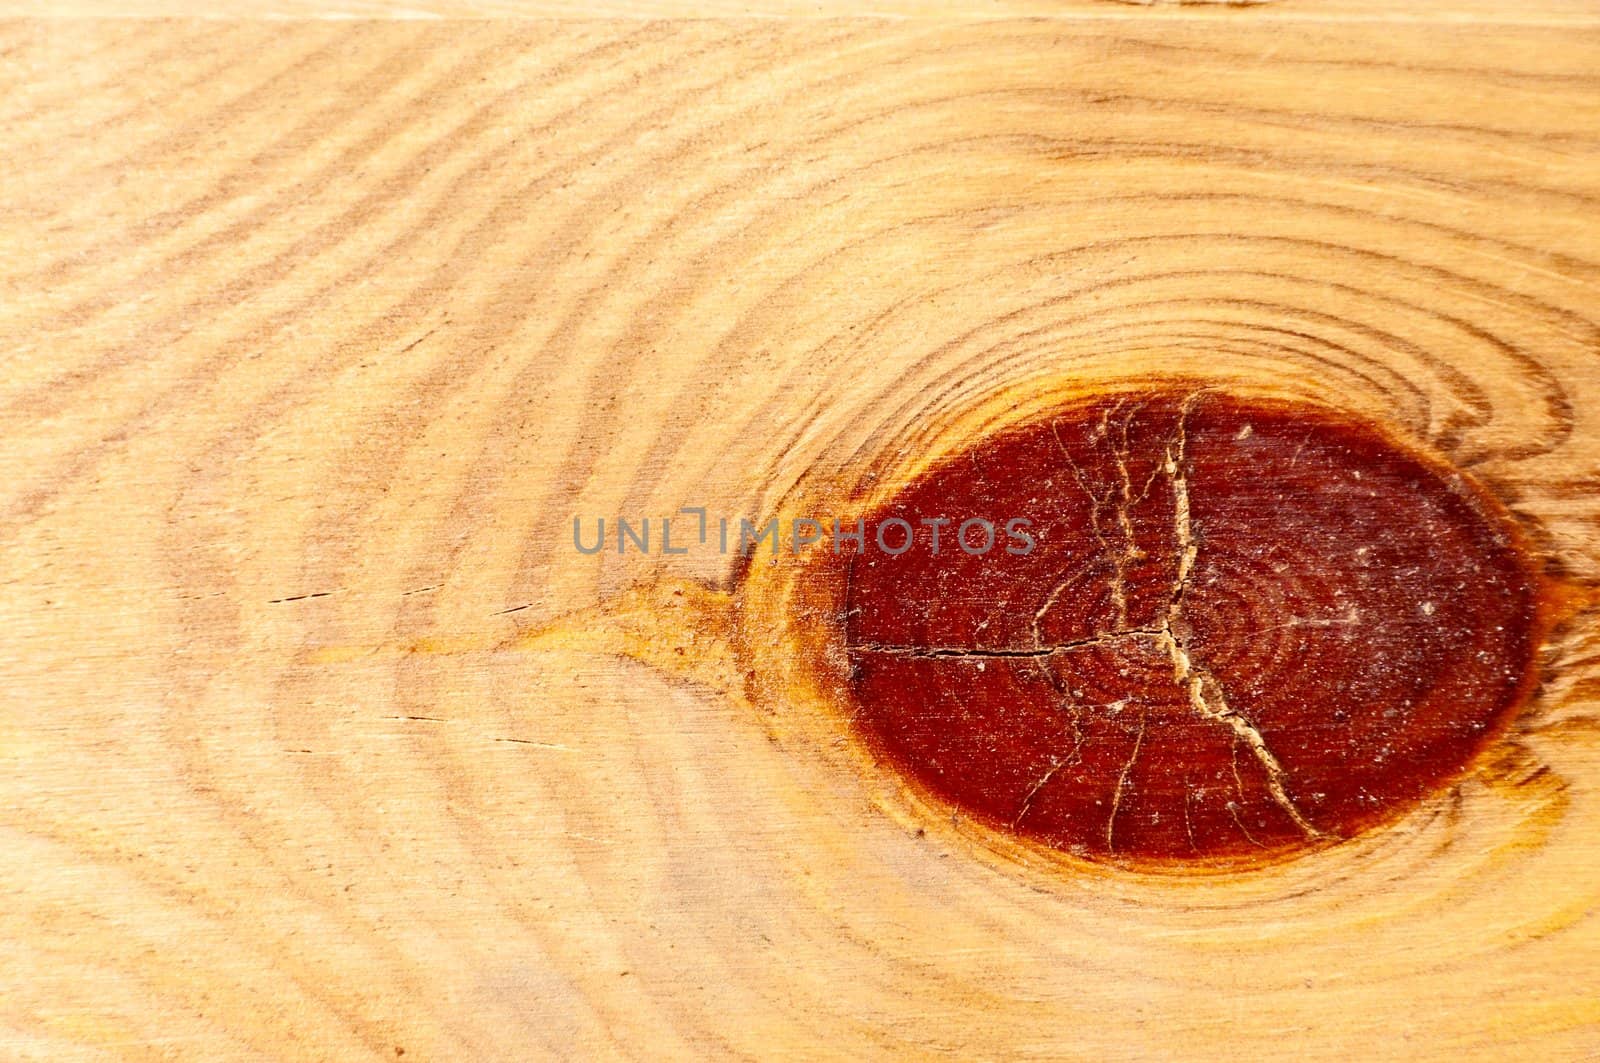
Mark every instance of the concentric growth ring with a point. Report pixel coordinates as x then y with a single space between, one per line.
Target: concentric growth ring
1243 628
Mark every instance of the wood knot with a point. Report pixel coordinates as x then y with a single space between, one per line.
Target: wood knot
1245 628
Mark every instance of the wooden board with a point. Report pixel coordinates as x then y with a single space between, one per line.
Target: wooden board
320 740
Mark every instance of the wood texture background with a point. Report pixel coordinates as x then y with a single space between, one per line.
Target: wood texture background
319 741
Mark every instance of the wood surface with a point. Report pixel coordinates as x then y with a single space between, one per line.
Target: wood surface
1494 12
320 740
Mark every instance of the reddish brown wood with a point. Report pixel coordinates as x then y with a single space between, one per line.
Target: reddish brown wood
1246 628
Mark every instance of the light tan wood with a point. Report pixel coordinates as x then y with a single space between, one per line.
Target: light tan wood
319 739
1479 12
1498 12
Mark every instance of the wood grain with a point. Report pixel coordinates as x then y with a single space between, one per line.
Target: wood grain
319 738
1497 12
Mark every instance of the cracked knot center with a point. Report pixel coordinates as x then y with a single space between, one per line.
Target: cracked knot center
1244 628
